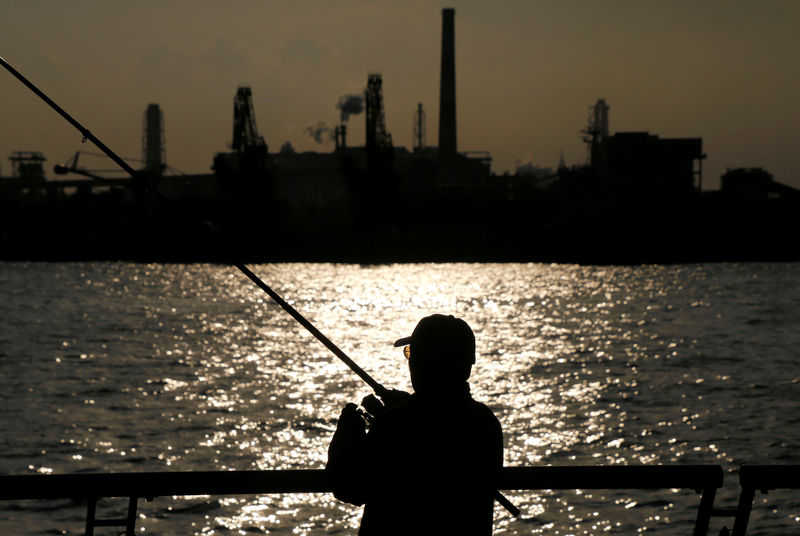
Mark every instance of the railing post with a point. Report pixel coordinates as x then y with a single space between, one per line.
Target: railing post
129 521
743 511
704 511
130 526
91 509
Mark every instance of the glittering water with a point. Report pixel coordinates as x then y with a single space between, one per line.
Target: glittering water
131 367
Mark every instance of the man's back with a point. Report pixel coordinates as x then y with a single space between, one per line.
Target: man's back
430 463
430 467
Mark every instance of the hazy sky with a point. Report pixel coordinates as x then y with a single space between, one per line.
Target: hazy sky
526 73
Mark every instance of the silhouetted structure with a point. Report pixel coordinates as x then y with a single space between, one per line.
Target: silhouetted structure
597 131
28 165
383 203
755 185
447 86
153 150
644 164
245 133
340 137
248 161
377 138
419 128
639 165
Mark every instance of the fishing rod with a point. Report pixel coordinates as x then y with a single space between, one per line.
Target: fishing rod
204 227
379 389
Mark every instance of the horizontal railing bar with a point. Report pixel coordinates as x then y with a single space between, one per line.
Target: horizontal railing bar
766 477
613 477
159 484
167 483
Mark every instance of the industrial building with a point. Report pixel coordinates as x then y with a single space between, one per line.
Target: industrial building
642 164
378 202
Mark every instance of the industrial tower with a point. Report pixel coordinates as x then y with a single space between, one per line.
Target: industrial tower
246 165
153 151
419 128
340 136
596 131
245 133
28 165
378 139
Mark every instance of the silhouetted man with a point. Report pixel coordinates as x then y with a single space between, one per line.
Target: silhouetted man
430 461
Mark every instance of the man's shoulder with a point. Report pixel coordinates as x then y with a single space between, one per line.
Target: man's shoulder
466 408
484 410
484 415
417 410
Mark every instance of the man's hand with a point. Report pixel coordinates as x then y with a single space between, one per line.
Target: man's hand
392 398
346 456
351 423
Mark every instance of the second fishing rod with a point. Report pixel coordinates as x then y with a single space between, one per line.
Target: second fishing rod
211 234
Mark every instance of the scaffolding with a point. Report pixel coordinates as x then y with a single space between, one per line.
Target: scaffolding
28 165
377 139
245 133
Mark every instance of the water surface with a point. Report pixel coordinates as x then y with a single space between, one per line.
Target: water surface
134 367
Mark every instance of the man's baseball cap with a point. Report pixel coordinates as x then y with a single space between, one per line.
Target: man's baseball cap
442 333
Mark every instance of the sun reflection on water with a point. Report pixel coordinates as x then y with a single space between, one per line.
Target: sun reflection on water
547 340
192 368
544 351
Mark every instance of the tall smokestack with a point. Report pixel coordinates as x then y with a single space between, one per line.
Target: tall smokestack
447 88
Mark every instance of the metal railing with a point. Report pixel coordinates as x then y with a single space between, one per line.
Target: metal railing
704 479
763 478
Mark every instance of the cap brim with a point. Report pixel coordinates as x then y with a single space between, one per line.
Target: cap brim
402 342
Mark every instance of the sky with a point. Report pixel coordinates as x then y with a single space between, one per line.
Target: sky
527 72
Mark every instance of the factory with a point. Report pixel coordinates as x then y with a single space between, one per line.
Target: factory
377 202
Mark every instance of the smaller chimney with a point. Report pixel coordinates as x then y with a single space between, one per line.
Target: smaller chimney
340 136
153 139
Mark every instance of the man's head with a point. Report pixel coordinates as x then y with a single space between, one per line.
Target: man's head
442 352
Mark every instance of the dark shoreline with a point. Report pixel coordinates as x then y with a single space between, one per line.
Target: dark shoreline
391 251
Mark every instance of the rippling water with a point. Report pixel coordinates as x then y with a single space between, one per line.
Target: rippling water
132 367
